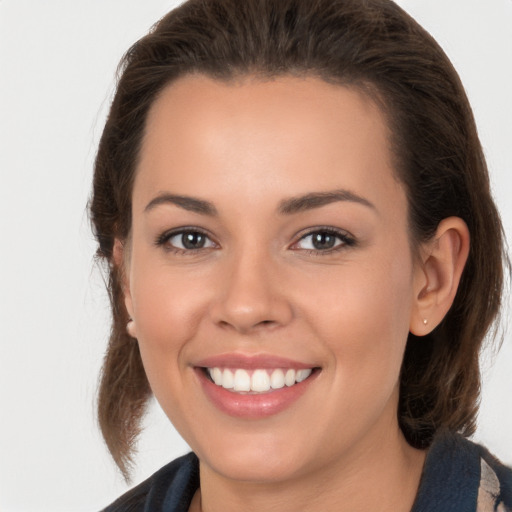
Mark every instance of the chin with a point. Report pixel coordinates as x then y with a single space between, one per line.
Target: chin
256 466
256 457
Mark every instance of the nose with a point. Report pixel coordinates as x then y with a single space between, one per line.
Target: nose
252 295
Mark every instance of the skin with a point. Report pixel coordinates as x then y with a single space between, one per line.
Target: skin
258 286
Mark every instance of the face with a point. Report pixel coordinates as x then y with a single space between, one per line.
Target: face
269 273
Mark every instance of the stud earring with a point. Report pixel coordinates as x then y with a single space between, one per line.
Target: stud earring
425 321
130 328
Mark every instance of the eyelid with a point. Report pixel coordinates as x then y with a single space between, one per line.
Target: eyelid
162 239
347 240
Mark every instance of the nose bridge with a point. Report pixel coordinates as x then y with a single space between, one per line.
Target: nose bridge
251 292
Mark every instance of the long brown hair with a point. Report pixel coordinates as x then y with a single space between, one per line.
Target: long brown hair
372 45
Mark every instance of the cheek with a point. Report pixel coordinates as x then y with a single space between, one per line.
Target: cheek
362 314
168 308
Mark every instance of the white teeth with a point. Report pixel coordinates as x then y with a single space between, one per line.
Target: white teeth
303 375
289 378
227 379
242 381
261 381
216 375
277 379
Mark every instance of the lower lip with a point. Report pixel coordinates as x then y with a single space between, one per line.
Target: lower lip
253 406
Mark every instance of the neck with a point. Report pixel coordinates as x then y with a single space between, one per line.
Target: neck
383 475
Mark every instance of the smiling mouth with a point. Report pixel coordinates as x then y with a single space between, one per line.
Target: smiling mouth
240 380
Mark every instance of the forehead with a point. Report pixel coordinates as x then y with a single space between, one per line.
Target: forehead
267 137
249 102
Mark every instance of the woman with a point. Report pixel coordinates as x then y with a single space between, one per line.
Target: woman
304 259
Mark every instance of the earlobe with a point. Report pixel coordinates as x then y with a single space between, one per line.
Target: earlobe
438 275
130 329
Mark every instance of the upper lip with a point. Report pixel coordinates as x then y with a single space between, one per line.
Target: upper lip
251 362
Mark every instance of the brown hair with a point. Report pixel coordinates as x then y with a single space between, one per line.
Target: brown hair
367 44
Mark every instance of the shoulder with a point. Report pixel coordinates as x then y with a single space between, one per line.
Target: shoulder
462 476
171 488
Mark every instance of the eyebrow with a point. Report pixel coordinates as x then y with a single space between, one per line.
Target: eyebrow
191 204
286 207
319 199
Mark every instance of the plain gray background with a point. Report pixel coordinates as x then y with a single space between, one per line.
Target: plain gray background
57 64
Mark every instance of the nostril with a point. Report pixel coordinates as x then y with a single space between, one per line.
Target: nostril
265 324
246 328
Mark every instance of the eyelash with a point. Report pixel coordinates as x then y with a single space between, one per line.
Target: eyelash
346 240
163 240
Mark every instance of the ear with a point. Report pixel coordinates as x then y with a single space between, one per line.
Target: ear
438 275
121 262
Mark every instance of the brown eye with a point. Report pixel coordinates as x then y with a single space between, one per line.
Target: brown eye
324 240
189 240
193 240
